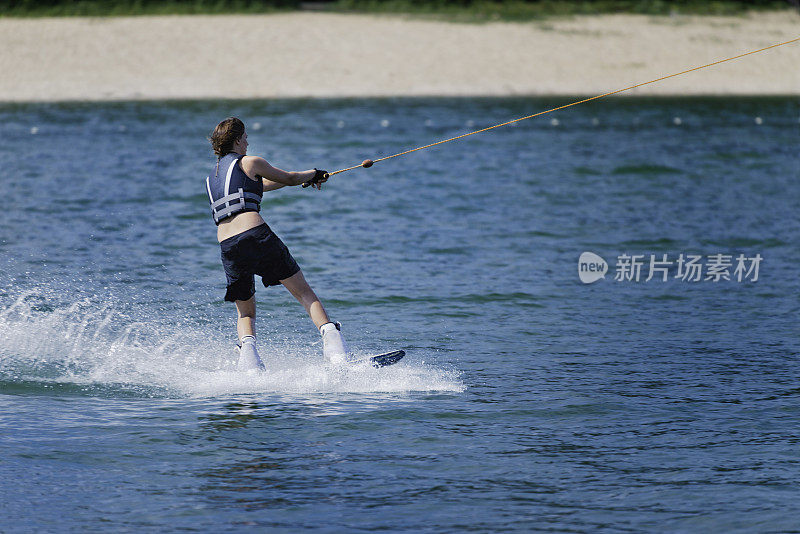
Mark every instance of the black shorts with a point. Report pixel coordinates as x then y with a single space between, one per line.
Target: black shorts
255 251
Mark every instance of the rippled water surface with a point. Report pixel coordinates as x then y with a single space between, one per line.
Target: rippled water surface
528 401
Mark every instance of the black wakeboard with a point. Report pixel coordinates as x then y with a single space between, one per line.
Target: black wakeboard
388 358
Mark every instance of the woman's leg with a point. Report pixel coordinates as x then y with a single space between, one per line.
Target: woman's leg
245 323
333 346
299 288
249 359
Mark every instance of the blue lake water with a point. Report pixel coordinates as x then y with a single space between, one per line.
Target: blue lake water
529 401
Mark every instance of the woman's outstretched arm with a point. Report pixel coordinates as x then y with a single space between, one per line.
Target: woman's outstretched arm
272 177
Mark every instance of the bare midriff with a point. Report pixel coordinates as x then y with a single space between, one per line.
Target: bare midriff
241 222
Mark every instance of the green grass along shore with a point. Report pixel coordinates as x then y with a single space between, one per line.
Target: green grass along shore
456 11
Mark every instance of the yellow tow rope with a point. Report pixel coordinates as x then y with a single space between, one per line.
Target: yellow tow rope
369 163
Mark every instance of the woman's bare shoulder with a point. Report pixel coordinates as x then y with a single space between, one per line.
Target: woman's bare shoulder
254 166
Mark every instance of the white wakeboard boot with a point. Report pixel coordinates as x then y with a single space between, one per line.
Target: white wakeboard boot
249 359
333 346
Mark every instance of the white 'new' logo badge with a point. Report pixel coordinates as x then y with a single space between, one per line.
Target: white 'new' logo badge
591 267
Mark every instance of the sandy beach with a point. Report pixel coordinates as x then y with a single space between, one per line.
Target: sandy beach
333 55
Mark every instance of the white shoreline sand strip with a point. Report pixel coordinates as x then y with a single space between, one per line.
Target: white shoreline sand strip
331 55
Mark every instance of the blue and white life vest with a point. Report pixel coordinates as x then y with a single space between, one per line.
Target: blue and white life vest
230 190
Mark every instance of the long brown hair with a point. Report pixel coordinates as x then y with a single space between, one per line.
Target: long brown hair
225 135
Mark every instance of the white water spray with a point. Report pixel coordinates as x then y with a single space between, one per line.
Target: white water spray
116 346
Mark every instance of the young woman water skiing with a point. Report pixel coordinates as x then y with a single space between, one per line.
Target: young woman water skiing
249 247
